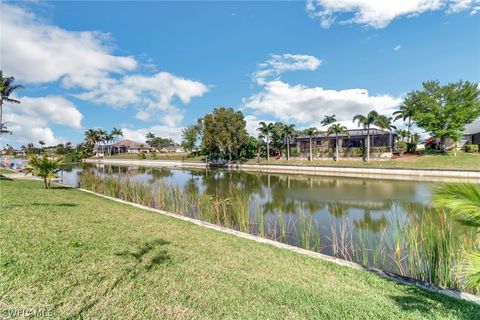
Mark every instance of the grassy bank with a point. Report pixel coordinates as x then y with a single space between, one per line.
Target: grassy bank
458 160
76 255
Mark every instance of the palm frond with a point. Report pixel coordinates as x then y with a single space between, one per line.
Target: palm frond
463 201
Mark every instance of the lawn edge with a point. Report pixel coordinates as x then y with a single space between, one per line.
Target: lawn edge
316 255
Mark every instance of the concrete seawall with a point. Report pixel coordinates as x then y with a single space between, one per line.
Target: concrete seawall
373 173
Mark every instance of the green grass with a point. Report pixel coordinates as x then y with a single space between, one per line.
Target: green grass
452 160
183 156
82 256
5 171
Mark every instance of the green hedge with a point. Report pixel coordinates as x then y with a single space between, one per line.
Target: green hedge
471 148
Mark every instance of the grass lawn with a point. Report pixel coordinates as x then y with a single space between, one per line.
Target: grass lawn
184 156
457 160
81 256
5 171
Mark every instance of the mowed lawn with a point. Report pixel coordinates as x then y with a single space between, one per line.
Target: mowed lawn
82 256
458 160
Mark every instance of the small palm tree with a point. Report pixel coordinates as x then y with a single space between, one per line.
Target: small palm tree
406 112
310 133
463 201
403 134
366 122
385 123
265 130
328 120
337 129
288 131
43 167
7 87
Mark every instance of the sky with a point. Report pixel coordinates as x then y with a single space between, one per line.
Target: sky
158 66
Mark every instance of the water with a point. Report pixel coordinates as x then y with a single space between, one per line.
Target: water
374 222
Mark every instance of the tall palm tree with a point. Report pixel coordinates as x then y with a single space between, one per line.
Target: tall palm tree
310 132
366 122
463 201
92 137
385 123
6 89
288 131
406 112
116 133
328 120
337 129
265 130
149 138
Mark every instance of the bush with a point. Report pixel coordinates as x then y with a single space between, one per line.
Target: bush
142 156
154 155
294 152
412 147
471 148
401 146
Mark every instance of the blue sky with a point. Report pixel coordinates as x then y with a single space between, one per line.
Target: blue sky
158 66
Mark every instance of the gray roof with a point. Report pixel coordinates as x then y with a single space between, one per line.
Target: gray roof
473 127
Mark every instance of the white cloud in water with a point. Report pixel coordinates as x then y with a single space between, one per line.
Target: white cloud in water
31 120
379 13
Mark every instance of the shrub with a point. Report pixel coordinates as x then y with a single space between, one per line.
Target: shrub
401 146
412 147
154 155
142 156
294 152
470 148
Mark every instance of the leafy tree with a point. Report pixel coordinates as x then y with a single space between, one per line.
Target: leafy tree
265 131
463 201
7 87
43 167
337 129
190 137
367 121
249 148
310 133
328 120
445 110
385 123
224 132
288 131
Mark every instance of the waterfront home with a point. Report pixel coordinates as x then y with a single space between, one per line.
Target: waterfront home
471 135
124 146
351 142
172 149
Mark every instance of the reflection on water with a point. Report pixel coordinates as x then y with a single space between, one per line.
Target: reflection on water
374 222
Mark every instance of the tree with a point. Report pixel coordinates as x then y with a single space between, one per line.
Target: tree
224 132
43 167
406 112
366 122
7 87
445 110
385 123
92 137
116 133
190 137
265 130
463 201
310 132
289 131
403 134
149 138
328 120
337 129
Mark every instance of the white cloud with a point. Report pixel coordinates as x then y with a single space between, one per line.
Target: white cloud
280 63
38 52
379 13
397 47
30 121
165 131
152 94
308 105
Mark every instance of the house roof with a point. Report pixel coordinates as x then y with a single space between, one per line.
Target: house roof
349 124
473 127
130 144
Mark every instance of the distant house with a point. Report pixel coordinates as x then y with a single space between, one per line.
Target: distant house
355 137
172 149
471 135
124 146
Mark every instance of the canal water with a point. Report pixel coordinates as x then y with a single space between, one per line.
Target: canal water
387 224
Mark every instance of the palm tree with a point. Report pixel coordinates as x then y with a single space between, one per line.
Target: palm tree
328 120
310 132
385 123
288 131
366 122
116 133
406 112
265 130
6 89
403 134
463 201
337 129
43 167
92 137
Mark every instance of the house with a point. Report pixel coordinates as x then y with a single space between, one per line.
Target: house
354 137
172 149
471 135
124 146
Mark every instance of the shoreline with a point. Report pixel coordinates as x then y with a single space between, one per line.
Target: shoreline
434 175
